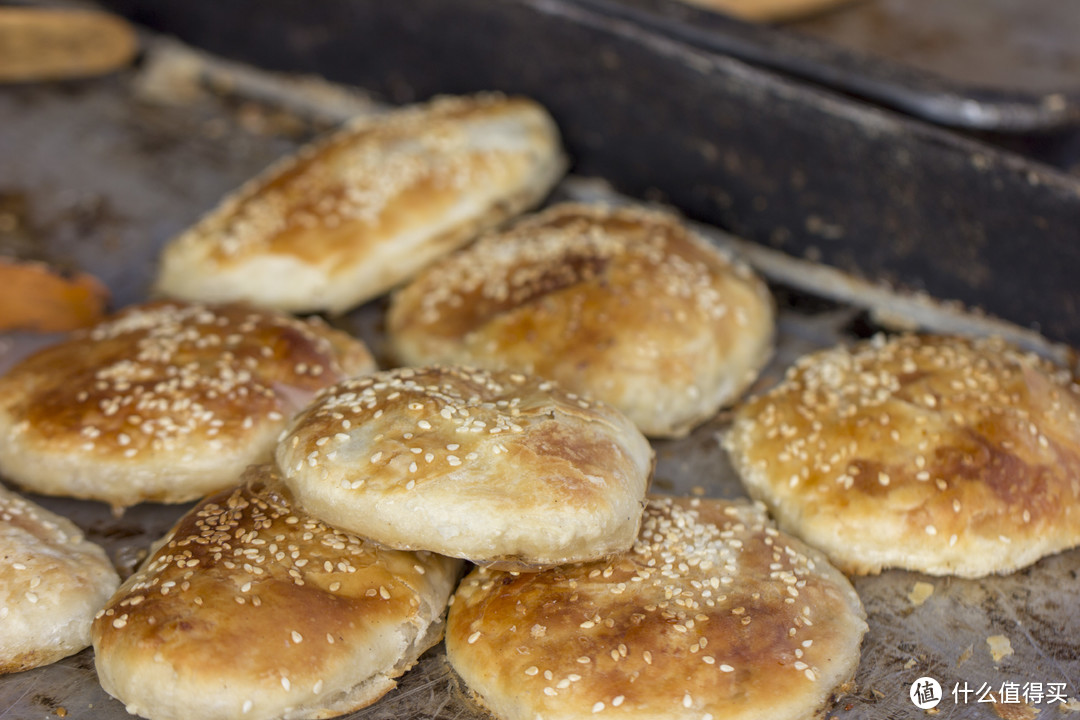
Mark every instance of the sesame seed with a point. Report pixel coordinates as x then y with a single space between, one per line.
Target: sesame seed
474 637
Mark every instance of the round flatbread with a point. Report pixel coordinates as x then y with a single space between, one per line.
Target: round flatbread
487 466
52 581
932 453
625 304
769 10
164 402
251 608
353 214
712 614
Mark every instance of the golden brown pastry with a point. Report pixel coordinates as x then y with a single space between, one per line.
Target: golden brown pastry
52 581
352 215
625 304
711 614
931 453
165 401
768 10
250 608
491 467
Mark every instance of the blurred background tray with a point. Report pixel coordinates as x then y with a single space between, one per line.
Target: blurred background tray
1003 66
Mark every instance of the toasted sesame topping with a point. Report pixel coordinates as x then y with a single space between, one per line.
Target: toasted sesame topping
250 535
954 431
674 606
170 379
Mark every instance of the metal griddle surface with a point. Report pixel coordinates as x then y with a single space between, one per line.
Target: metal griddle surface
97 176
1025 45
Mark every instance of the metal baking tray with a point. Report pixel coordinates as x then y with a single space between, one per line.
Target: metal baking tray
1009 66
99 174
787 164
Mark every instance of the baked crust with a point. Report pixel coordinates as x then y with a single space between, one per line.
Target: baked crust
52 581
932 453
491 467
350 216
769 10
624 304
712 613
251 608
166 401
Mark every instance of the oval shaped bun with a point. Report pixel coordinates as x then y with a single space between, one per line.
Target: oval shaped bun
712 613
487 466
938 454
352 215
768 10
251 608
52 581
624 304
165 402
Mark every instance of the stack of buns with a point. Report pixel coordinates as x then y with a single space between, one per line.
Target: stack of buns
513 438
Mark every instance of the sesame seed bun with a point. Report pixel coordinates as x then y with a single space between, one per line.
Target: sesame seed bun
165 402
494 467
251 608
931 453
712 614
624 304
52 581
350 216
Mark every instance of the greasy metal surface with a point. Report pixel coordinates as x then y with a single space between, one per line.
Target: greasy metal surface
1028 45
1004 65
146 170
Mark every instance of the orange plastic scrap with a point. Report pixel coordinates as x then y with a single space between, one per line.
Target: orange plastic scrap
34 296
